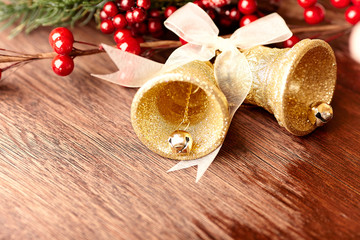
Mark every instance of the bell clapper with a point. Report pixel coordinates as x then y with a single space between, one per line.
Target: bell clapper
180 140
320 114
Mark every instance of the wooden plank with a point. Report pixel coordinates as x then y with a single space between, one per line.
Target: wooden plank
72 168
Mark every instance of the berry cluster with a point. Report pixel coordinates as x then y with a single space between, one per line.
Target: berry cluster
227 15
118 15
130 20
61 40
314 12
248 8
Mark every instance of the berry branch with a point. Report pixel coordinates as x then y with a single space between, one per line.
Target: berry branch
154 45
322 28
130 20
162 44
17 58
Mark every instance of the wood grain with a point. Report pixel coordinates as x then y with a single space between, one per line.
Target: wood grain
71 166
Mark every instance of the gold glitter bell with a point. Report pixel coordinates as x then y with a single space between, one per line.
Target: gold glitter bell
296 84
179 104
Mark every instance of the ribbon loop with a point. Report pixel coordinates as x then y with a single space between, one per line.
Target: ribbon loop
234 78
192 24
266 30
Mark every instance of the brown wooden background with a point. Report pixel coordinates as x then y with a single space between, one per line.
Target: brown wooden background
71 166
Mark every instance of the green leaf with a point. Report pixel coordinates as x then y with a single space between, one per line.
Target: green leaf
35 13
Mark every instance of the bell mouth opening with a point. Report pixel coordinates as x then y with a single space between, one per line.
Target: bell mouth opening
311 80
181 103
173 102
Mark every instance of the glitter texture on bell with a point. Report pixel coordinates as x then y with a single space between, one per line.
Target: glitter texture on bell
186 98
294 83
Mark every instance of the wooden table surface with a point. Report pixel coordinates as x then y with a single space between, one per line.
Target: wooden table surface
71 166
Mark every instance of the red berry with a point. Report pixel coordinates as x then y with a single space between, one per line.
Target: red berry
215 3
140 39
224 17
157 34
245 20
107 26
145 4
352 14
129 17
206 4
63 46
291 41
306 3
314 14
154 13
110 9
138 15
212 13
169 10
119 21
234 14
62 33
225 21
62 65
247 6
154 25
340 3
139 29
130 45
122 34
356 2
224 11
126 4
199 3
103 15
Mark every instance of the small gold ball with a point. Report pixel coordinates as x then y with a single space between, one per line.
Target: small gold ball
320 114
180 142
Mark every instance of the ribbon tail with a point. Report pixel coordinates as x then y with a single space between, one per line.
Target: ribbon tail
202 164
205 162
234 77
184 164
134 70
113 77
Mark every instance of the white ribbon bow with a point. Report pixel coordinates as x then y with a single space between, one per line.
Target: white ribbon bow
193 25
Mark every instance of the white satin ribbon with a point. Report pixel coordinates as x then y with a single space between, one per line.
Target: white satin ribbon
193 25
134 70
354 41
231 68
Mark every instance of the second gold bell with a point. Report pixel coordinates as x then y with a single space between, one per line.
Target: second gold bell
296 85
